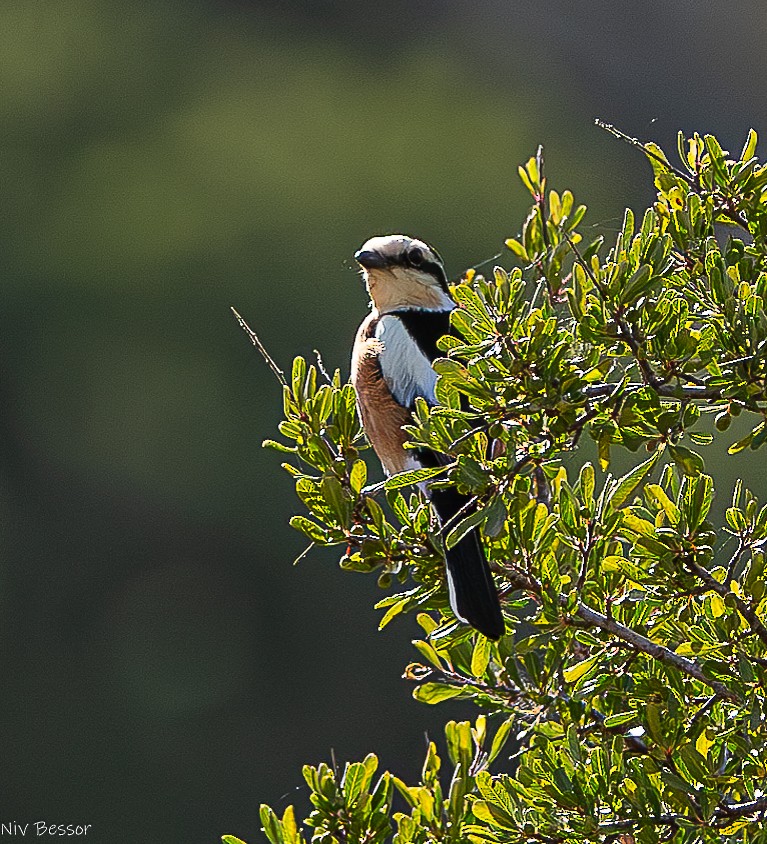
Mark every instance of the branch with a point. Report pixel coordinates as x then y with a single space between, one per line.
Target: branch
681 392
742 810
725 813
656 651
635 640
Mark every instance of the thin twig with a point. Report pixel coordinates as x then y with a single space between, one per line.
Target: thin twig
741 810
706 707
724 591
735 558
635 142
487 261
304 553
371 490
468 435
280 375
321 366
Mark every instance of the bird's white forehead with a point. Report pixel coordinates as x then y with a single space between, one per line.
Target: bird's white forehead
391 245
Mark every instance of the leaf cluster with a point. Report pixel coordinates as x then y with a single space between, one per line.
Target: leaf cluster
350 807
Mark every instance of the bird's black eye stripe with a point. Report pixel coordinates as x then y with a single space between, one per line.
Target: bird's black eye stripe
437 270
416 258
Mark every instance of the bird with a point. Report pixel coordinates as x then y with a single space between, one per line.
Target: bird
391 367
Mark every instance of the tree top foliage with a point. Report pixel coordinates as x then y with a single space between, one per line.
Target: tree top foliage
628 696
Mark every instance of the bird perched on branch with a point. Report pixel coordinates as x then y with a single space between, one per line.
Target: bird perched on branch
391 367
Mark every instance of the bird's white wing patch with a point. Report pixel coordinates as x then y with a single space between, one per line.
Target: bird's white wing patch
405 368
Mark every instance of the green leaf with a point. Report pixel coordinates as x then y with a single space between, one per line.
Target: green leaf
568 508
289 827
459 742
399 605
465 526
333 493
749 148
657 158
517 248
278 446
656 493
619 718
469 299
414 476
629 483
637 285
435 692
688 461
298 376
573 745
231 839
271 824
603 446
700 439
499 739
698 648
495 517
586 479
357 778
676 783
630 569
652 713
736 519
740 445
309 529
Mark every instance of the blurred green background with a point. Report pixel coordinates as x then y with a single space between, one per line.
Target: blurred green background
164 668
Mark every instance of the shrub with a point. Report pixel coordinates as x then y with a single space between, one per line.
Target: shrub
632 675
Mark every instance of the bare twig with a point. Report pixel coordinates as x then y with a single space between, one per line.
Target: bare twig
280 375
321 366
635 142
742 810
468 435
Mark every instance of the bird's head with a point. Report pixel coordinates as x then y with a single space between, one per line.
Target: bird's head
402 272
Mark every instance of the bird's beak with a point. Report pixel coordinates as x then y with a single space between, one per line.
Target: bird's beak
370 259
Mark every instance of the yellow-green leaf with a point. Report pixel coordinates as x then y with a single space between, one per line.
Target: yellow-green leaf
574 672
480 656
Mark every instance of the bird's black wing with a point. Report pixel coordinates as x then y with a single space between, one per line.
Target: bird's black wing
473 596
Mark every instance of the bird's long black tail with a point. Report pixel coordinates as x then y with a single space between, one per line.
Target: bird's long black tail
473 596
